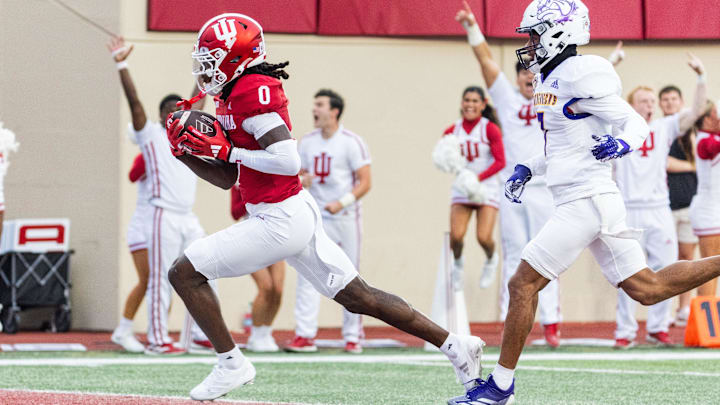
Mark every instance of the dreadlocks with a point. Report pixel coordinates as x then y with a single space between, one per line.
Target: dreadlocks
268 69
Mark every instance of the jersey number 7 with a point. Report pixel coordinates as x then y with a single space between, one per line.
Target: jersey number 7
541 120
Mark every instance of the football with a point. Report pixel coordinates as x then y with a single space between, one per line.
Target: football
199 120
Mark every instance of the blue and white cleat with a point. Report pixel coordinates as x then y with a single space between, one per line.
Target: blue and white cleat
486 393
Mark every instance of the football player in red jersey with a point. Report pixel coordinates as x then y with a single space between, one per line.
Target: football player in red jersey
284 221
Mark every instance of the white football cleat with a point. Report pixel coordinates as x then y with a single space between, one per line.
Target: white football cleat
262 345
223 380
489 270
467 361
128 341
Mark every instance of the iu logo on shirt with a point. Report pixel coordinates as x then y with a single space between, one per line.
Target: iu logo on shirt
646 147
471 150
526 113
322 166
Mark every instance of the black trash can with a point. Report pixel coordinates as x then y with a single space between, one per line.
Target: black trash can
32 280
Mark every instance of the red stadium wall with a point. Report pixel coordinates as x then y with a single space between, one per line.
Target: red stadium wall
611 19
282 16
391 18
698 19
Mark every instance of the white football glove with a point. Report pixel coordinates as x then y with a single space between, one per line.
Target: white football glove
447 156
468 183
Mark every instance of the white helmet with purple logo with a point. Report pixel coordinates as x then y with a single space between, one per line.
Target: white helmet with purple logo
552 26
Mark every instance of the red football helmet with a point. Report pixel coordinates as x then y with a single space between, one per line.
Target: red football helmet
227 45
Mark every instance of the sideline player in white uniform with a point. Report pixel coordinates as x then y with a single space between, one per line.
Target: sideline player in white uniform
335 168
522 138
704 209
137 244
682 185
577 99
640 176
285 222
269 282
172 226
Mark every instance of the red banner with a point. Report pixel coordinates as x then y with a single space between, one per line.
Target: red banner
609 19
392 18
666 19
283 16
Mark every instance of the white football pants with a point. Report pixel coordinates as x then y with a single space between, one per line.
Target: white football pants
347 233
168 234
519 223
659 240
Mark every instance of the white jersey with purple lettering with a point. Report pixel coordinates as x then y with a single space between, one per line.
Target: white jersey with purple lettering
641 176
172 184
522 137
579 83
333 162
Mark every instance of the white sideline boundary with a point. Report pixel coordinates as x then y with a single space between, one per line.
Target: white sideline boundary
585 370
404 358
140 396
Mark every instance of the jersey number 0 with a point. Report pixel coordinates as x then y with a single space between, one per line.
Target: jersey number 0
264 95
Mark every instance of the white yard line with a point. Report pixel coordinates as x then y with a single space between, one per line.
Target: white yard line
106 394
403 358
579 370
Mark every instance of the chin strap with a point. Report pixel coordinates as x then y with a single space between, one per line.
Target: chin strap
187 104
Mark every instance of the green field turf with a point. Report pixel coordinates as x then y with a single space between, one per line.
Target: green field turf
410 377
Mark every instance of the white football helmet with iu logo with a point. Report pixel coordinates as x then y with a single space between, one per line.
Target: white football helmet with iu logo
552 26
227 45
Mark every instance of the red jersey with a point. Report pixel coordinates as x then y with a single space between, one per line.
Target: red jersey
253 95
237 205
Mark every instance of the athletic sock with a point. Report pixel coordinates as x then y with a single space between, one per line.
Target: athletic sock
233 359
503 377
262 331
125 325
450 347
459 263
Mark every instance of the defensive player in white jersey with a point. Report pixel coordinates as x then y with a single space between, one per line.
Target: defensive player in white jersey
172 225
335 168
137 244
640 176
285 222
704 209
585 124
522 139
